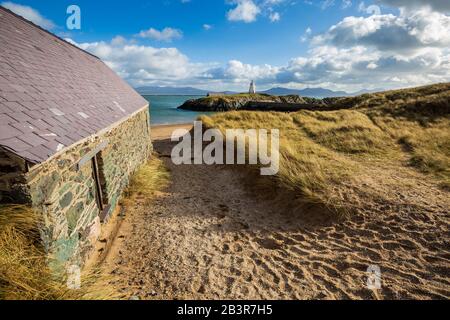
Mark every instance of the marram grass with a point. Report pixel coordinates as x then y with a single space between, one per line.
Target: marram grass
324 155
24 272
149 178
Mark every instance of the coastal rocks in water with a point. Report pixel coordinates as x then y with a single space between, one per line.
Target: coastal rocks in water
238 101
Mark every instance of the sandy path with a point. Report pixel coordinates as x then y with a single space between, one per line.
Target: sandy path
206 237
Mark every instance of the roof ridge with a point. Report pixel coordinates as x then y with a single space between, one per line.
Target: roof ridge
46 31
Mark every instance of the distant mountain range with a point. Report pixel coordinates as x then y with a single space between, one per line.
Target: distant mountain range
278 91
308 92
172 91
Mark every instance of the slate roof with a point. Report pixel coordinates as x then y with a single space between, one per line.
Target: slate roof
53 94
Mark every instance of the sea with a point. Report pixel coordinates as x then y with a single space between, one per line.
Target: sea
163 110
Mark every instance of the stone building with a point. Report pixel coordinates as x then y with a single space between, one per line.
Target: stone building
71 134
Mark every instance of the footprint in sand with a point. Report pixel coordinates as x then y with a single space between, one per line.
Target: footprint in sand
270 244
225 248
224 208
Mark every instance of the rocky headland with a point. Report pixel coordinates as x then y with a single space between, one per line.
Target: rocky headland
241 101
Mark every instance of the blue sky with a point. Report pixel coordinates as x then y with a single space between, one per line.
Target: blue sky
222 44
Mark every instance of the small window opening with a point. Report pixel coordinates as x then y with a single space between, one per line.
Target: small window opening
101 195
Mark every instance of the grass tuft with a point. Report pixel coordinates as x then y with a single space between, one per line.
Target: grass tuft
24 271
149 178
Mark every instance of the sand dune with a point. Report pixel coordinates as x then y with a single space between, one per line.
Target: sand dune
208 237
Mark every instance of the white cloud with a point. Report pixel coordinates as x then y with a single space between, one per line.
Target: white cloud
207 27
326 4
346 4
29 14
420 29
166 34
272 2
372 9
307 35
236 71
118 41
372 65
245 10
274 17
249 10
436 5
359 67
140 64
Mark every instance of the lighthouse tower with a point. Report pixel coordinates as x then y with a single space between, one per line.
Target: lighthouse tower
252 89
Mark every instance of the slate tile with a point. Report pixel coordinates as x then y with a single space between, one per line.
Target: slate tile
7 131
54 145
10 96
47 113
46 134
17 87
30 157
65 140
41 152
30 105
15 144
52 122
23 96
20 116
34 114
5 87
5 119
38 123
12 107
58 130
24 127
32 139
74 136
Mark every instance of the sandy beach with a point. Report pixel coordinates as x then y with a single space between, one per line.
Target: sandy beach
207 236
161 132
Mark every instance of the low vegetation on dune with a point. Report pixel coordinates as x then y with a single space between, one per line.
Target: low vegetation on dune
151 177
427 100
334 158
24 271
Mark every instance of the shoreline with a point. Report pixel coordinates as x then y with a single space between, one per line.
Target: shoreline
164 131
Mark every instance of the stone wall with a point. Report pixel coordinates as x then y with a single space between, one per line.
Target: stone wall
65 192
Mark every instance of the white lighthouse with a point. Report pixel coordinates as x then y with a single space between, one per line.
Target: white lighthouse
252 89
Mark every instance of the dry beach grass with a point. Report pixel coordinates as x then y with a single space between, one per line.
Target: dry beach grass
24 266
361 186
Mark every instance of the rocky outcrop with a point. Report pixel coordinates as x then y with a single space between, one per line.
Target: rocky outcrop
239 101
